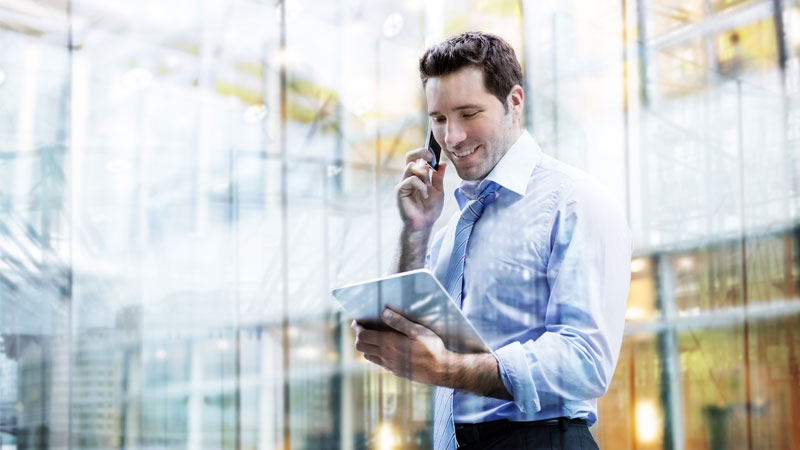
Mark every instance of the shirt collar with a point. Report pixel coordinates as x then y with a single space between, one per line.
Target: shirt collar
512 172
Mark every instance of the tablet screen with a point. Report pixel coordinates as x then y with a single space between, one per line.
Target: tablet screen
418 296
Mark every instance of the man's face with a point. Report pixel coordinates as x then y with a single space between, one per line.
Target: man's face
470 123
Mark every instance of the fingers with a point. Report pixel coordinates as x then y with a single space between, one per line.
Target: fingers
418 169
365 338
402 325
417 164
417 154
408 350
369 341
377 346
374 359
419 176
412 185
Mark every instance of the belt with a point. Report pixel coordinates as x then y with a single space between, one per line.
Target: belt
470 433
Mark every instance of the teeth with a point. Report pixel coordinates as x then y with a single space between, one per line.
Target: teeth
463 154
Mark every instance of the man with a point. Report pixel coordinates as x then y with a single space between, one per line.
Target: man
545 271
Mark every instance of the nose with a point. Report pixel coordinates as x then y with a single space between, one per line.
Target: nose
454 134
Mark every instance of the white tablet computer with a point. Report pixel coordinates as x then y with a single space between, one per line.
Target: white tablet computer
418 296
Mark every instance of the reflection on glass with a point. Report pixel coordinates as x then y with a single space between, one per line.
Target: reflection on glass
724 5
181 185
667 16
682 69
642 291
634 399
751 47
649 422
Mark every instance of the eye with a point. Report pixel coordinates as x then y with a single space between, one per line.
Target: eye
470 115
437 119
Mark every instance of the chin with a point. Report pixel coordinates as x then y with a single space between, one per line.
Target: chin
470 176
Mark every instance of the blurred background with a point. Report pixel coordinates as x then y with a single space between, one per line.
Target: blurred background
183 182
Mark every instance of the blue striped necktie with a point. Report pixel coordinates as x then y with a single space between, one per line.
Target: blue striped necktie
444 433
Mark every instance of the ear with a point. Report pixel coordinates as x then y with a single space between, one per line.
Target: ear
516 101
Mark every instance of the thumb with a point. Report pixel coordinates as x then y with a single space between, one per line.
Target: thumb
400 323
437 177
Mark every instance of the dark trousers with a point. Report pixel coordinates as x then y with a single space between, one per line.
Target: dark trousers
568 434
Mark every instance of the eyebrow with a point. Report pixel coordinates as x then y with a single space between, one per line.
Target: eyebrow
459 108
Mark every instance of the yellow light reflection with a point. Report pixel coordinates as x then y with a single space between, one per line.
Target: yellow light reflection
638 264
309 352
634 313
388 438
686 263
647 422
255 113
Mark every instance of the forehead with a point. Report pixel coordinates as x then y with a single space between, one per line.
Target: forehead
464 85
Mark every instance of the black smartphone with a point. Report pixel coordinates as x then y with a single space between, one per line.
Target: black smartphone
434 148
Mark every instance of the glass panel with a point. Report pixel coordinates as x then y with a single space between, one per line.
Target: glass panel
182 183
714 374
682 70
751 47
736 402
773 355
667 16
642 295
35 229
634 399
724 5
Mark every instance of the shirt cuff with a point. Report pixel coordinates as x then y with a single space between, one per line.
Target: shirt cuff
516 376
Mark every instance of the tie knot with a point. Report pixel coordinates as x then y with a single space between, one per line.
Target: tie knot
487 192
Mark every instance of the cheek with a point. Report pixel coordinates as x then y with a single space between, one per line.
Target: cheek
481 130
438 134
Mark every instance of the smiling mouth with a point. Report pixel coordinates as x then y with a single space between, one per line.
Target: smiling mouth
464 153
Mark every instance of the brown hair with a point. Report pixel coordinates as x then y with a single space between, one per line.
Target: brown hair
487 52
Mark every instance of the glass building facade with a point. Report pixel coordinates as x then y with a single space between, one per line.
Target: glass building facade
182 184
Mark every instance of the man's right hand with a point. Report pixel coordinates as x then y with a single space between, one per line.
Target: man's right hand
420 194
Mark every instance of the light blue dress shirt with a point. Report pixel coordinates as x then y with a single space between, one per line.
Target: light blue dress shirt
546 284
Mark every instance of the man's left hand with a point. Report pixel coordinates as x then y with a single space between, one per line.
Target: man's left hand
408 350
